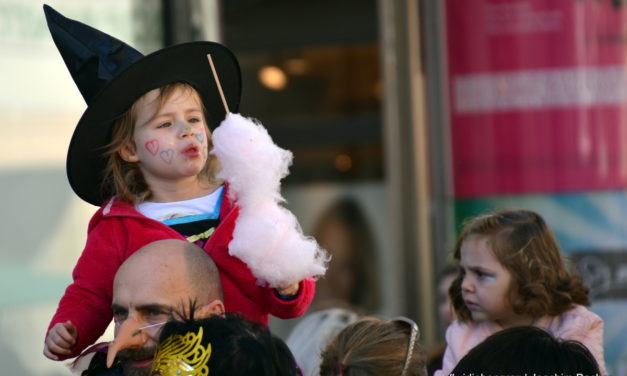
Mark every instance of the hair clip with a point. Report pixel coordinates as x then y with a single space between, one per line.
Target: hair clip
413 336
182 355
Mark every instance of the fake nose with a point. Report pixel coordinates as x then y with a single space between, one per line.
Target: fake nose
129 336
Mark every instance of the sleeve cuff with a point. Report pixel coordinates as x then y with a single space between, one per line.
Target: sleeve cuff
287 298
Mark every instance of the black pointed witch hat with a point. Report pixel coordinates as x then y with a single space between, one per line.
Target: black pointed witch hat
112 75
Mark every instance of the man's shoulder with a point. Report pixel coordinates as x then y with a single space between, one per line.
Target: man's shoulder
98 367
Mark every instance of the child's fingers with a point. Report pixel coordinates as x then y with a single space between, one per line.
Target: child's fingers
55 349
71 329
55 345
48 354
60 340
56 339
66 337
288 290
61 336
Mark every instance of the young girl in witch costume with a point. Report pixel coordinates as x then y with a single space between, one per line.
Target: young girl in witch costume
141 152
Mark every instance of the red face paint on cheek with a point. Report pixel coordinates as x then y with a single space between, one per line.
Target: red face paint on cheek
152 146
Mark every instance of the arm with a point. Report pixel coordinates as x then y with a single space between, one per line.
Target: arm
87 301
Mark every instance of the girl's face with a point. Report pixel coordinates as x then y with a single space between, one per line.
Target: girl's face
171 140
486 284
341 277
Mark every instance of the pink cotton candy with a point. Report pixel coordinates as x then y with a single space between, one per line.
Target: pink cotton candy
267 236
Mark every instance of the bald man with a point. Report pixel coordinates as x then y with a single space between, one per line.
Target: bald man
150 287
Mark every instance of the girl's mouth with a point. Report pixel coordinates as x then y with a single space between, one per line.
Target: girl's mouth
191 151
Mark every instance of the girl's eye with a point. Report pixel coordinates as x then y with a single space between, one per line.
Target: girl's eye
164 125
194 120
483 275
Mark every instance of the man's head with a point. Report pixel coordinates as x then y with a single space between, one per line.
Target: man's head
160 278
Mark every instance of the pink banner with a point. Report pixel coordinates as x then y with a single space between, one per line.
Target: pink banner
538 95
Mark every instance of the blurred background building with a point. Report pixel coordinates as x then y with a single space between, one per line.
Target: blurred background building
404 116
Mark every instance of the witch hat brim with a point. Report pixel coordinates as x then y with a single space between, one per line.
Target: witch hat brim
129 79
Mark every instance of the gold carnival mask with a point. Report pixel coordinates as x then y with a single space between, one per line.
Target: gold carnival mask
182 355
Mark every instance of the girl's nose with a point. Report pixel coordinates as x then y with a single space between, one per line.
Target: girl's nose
185 129
467 284
129 336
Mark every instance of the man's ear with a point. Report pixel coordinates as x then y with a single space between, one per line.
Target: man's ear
216 307
128 153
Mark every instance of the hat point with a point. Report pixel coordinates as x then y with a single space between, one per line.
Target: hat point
51 14
93 57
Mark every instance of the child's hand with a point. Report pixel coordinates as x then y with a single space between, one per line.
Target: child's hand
60 339
288 290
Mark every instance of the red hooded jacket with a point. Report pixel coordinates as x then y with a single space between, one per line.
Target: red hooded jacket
117 230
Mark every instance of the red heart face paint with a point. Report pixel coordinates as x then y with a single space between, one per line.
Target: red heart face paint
152 146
